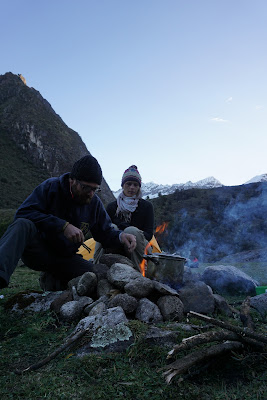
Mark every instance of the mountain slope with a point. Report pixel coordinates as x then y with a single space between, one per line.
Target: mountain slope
35 142
258 178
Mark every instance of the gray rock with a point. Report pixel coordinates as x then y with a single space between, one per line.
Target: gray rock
104 287
73 283
110 259
71 311
121 274
85 301
61 299
161 337
75 295
107 335
226 279
99 308
139 287
87 284
171 308
35 302
260 304
100 270
114 316
197 297
163 289
114 339
222 306
148 312
102 299
110 318
126 302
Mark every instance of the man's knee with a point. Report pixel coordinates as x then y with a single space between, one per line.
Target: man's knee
25 223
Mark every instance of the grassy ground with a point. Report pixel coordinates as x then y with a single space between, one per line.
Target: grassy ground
135 375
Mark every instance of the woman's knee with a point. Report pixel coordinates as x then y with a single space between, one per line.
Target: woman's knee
132 230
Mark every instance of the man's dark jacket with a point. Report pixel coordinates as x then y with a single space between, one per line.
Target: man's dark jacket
142 218
51 205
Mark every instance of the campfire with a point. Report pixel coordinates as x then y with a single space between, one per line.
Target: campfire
149 247
164 267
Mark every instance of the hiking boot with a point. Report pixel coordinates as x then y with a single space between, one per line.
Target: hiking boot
49 283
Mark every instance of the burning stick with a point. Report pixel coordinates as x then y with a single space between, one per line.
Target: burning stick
143 263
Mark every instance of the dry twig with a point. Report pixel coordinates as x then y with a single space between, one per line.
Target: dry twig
74 338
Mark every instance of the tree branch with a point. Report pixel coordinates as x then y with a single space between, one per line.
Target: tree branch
240 331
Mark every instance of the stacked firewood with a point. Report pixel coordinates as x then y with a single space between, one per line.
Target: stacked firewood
230 338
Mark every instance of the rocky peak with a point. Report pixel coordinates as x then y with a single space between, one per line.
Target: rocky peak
29 123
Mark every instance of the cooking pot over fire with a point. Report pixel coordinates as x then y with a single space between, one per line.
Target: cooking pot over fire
165 268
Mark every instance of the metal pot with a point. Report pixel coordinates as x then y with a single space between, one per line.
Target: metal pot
165 268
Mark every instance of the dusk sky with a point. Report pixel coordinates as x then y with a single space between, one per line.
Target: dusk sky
176 87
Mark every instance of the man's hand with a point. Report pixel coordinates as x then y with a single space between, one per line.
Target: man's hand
74 234
129 241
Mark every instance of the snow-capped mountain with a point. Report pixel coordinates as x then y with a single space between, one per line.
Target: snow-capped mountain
152 189
258 178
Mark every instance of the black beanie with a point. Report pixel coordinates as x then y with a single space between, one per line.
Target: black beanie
87 169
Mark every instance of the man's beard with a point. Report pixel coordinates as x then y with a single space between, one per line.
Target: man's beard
78 197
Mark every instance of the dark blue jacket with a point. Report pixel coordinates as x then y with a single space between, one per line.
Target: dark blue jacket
50 206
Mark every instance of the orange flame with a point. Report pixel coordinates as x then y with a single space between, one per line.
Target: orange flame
143 263
161 228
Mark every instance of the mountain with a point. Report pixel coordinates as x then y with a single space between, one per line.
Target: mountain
35 143
258 178
153 190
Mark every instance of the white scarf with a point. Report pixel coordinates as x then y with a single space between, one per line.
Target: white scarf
127 205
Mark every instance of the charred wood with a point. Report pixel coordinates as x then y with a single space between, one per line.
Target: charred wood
184 364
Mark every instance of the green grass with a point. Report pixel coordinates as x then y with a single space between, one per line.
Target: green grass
134 374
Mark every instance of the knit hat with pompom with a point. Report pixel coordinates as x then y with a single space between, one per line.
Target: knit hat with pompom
131 174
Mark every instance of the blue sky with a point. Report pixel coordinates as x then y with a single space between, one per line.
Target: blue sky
177 87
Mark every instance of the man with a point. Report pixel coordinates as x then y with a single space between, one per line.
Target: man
51 223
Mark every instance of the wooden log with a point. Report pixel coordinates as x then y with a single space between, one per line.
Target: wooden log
240 331
183 364
212 336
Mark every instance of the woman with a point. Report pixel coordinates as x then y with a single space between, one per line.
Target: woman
131 214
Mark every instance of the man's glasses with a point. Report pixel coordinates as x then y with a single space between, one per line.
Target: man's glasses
88 188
